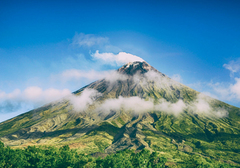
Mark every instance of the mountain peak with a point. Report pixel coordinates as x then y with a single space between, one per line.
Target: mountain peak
132 68
140 108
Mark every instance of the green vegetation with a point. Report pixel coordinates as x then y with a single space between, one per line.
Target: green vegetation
64 157
189 139
110 129
114 123
213 138
120 120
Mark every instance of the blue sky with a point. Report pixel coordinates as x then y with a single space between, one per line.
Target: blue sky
48 48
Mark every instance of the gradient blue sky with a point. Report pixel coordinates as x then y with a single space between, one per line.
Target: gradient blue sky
41 42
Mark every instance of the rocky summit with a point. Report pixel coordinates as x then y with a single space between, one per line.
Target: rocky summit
132 68
134 107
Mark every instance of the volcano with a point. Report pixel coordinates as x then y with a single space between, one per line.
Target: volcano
134 107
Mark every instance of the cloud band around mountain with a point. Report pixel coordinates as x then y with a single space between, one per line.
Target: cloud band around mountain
116 59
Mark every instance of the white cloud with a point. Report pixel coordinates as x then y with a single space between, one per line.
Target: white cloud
39 96
172 108
202 106
116 59
159 79
88 40
226 91
210 95
32 93
114 76
74 74
197 86
80 103
135 104
221 90
21 101
111 76
235 88
6 116
8 96
139 105
233 67
17 101
177 78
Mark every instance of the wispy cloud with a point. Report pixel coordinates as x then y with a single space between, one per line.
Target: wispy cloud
39 96
138 105
135 104
233 67
197 85
228 91
80 103
177 77
75 74
21 101
160 80
235 88
221 90
116 59
201 106
89 40
34 94
72 75
224 91
171 108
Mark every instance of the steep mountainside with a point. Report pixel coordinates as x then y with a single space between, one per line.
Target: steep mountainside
135 107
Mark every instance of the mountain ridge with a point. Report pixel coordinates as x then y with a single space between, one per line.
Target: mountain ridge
135 107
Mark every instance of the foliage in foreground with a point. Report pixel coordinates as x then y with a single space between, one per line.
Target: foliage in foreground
64 157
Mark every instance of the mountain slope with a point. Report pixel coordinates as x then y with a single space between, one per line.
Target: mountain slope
135 107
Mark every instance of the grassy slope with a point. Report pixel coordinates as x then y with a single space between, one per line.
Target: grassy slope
175 137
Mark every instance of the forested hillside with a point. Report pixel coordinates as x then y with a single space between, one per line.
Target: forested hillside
64 157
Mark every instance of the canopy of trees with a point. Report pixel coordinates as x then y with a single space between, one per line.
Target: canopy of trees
64 157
